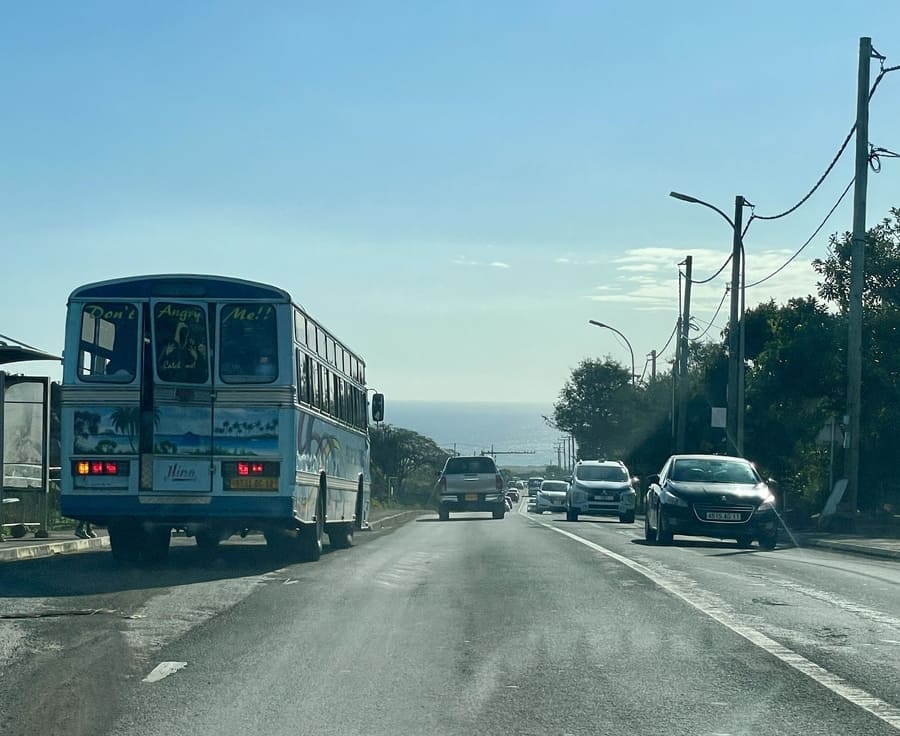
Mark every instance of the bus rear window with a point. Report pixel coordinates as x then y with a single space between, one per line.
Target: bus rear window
248 343
109 342
182 352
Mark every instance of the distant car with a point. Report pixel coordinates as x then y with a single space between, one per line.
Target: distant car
471 483
534 485
552 496
601 488
512 493
710 496
522 486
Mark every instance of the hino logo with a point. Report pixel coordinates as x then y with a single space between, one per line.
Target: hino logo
177 473
724 499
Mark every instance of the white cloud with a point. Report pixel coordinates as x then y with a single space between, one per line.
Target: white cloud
464 261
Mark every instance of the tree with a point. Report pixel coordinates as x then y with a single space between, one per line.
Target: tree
881 285
407 456
597 406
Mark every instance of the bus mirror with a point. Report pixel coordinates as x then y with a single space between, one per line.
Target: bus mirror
378 407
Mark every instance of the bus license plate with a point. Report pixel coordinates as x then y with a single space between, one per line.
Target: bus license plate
471 497
253 484
722 516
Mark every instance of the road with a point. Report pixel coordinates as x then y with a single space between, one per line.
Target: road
530 625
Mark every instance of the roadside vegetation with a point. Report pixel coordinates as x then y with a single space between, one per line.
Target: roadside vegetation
795 386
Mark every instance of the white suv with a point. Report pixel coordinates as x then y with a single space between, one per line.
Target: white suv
601 488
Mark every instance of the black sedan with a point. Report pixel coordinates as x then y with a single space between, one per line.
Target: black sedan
710 496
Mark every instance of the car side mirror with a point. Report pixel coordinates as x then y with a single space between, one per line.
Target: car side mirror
651 479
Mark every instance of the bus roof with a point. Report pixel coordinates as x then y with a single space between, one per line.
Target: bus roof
185 286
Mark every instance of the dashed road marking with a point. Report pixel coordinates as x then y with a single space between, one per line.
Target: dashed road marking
163 670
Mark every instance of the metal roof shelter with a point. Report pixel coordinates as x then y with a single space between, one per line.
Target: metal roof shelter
13 351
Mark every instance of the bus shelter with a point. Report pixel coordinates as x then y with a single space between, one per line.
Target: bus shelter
24 445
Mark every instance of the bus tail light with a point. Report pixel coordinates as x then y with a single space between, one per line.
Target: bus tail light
84 468
442 484
499 482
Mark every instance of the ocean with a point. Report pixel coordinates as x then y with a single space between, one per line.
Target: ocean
471 427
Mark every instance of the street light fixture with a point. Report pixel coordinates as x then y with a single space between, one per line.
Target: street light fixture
735 396
630 350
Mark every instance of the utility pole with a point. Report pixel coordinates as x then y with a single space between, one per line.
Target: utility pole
734 343
652 365
857 271
683 358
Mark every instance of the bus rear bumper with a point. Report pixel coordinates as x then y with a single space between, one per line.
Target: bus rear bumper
178 510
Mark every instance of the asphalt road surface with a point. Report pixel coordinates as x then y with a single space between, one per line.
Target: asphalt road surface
530 625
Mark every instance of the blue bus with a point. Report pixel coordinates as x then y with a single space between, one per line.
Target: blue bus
215 406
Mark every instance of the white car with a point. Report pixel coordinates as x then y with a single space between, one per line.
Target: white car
551 496
601 488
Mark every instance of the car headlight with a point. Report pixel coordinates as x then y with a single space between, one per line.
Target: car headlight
768 504
670 499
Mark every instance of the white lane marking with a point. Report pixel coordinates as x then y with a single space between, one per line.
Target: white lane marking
163 670
877 707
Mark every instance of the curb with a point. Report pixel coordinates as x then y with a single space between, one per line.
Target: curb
49 549
850 547
382 522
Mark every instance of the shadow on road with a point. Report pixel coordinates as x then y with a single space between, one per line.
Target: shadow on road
96 573
731 547
458 518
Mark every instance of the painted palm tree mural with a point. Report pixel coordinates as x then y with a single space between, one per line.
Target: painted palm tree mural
319 448
127 420
108 431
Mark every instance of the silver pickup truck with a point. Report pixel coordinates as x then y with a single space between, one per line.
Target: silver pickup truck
471 483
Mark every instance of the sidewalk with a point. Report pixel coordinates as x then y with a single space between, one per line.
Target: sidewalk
883 547
65 542
59 543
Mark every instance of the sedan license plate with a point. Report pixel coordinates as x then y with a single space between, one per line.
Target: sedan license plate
603 498
723 516
471 497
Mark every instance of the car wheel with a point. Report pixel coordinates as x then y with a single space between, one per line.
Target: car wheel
744 542
664 535
499 513
626 518
444 513
769 542
571 515
649 534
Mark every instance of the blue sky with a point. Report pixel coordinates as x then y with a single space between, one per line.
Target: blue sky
454 188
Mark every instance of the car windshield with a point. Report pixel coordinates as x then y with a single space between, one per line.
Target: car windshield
470 465
601 472
554 485
713 471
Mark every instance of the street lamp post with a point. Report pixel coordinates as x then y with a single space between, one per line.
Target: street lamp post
630 350
735 394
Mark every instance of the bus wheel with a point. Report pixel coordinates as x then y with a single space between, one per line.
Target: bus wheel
340 536
311 534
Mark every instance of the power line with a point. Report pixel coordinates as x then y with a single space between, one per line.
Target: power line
674 330
709 326
706 281
808 240
884 71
